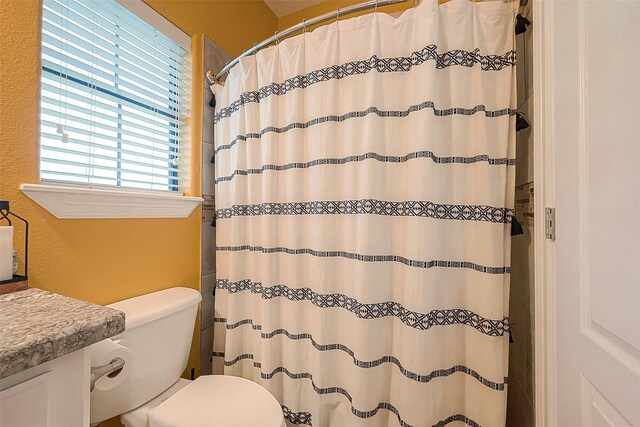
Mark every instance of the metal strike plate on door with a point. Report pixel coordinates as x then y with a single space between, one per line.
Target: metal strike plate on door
550 223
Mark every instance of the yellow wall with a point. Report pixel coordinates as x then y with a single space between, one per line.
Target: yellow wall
331 6
106 260
233 25
97 260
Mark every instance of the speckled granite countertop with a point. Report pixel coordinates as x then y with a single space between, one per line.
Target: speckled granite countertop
37 326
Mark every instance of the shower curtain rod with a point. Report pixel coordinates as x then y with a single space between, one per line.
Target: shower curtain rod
371 4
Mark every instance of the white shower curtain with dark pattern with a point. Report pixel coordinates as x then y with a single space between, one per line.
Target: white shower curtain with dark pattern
364 194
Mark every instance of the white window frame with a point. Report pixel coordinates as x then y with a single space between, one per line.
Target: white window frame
86 201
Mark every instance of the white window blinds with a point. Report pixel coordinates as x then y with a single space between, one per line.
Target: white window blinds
115 97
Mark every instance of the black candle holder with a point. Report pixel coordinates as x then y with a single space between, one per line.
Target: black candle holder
17 282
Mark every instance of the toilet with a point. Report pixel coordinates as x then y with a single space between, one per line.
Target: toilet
158 332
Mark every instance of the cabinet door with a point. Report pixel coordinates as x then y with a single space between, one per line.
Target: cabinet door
26 404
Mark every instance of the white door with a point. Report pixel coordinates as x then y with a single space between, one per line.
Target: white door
591 104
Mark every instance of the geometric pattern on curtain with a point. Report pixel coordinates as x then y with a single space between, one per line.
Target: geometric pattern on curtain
364 199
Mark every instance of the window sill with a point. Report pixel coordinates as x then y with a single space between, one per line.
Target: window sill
78 202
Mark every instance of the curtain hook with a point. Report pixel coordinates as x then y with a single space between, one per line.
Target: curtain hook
304 25
255 51
277 38
337 13
375 9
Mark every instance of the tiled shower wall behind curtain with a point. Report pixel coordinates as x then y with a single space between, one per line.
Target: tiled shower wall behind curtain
520 406
214 58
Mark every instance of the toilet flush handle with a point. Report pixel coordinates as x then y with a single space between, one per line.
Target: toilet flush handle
111 369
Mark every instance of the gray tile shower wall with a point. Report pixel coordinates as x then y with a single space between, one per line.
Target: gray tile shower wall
206 344
214 58
208 260
521 394
208 284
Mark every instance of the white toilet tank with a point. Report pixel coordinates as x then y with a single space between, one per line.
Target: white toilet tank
159 328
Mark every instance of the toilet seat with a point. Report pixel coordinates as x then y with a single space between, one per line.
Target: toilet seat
210 401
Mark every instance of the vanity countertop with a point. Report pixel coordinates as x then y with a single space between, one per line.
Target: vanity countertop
37 326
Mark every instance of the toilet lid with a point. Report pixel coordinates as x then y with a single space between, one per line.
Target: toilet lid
218 401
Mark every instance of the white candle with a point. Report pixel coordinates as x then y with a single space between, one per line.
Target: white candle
6 252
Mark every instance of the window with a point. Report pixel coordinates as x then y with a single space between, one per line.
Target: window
115 93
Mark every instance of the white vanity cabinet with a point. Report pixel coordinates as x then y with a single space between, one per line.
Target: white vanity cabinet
45 361
53 394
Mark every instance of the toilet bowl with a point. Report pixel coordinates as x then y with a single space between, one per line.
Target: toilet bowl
210 400
158 333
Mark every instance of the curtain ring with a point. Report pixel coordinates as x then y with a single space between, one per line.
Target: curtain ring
337 13
375 9
304 25
255 51
277 38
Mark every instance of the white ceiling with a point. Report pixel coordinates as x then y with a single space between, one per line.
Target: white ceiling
285 7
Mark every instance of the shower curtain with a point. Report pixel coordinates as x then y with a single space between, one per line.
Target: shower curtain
364 194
